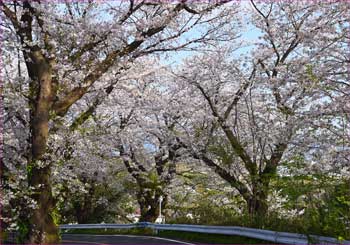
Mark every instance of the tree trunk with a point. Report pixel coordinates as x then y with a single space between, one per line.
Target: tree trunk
42 228
257 202
83 213
149 209
257 206
84 209
149 206
148 213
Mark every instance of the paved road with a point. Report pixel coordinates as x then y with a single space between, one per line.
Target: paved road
116 239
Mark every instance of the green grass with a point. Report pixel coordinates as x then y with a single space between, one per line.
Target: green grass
178 235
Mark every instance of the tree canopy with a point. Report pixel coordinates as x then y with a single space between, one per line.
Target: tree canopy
222 106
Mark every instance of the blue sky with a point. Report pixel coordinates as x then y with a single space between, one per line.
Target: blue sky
247 36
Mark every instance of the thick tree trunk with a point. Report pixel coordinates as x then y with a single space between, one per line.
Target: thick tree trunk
148 213
42 227
149 207
257 202
257 206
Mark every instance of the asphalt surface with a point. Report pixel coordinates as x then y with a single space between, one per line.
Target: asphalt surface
116 239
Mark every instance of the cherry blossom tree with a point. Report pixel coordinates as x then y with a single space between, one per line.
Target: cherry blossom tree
139 129
89 95
251 113
72 49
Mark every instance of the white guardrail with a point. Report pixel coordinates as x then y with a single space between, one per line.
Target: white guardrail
266 235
